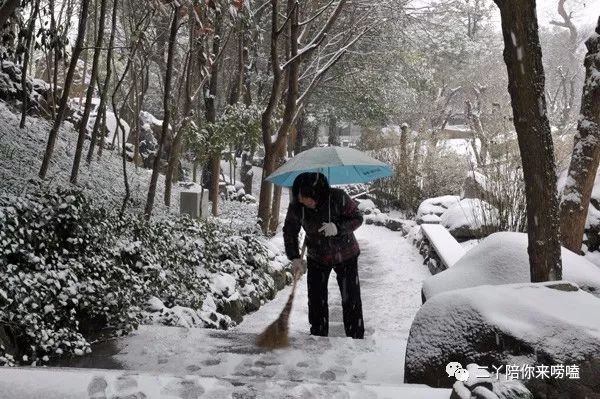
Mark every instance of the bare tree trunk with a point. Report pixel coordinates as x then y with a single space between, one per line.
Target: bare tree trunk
167 113
120 126
67 87
276 205
104 94
301 127
523 57
266 192
586 153
478 133
30 33
403 149
273 149
55 59
214 163
175 153
334 137
293 99
89 95
215 166
104 131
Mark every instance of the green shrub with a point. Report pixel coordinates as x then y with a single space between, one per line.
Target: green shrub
69 269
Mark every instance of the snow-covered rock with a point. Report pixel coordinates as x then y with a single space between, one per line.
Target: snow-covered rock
11 89
366 206
153 304
522 324
378 218
502 258
224 284
470 218
436 206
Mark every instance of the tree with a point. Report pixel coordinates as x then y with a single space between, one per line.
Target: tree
523 58
62 108
89 94
183 116
210 104
287 73
586 153
167 110
98 125
29 34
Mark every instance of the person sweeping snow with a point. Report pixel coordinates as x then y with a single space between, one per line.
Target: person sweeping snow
329 217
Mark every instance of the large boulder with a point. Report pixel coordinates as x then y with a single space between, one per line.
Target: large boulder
502 258
470 218
150 132
11 89
518 324
436 206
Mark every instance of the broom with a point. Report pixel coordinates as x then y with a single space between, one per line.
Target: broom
277 334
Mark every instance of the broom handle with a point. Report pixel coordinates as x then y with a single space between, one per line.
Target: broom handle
303 252
296 276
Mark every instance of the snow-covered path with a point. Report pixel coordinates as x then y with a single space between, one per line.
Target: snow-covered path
228 364
391 274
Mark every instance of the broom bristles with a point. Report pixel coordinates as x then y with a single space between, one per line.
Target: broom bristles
276 335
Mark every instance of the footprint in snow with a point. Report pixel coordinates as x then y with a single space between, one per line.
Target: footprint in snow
97 388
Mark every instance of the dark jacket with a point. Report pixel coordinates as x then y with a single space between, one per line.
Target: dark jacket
321 249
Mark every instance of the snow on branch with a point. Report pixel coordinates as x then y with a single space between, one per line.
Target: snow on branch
333 58
317 14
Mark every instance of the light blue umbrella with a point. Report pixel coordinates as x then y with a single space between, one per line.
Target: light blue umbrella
341 165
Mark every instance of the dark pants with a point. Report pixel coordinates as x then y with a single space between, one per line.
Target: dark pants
318 309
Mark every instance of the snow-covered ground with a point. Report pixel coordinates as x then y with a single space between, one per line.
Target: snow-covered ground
391 274
22 150
180 362
112 384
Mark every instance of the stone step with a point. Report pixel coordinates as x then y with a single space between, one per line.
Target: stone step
72 383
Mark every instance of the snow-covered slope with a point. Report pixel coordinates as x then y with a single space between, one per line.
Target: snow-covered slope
21 153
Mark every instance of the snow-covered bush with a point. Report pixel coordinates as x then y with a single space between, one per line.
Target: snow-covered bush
60 280
69 269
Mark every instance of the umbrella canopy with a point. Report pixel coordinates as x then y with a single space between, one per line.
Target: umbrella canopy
341 165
